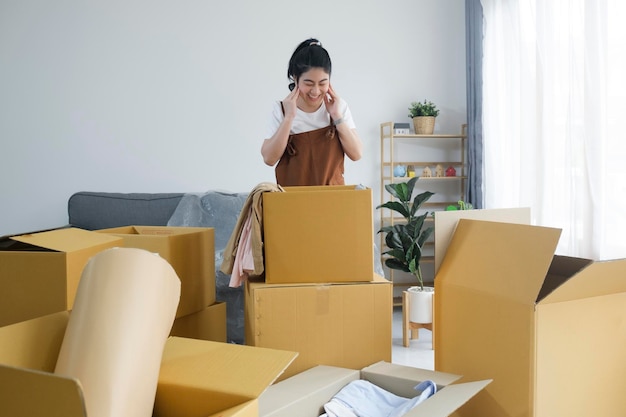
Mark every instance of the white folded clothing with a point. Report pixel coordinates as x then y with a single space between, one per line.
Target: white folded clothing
361 398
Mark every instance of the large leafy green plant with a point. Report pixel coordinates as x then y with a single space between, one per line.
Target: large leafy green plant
405 240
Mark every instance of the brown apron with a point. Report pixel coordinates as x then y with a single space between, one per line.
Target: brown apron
312 158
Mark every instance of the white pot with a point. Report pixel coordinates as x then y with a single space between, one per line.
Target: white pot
421 304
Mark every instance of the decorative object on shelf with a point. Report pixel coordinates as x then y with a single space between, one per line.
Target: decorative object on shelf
410 171
399 171
462 205
427 173
405 240
438 171
401 129
450 172
423 115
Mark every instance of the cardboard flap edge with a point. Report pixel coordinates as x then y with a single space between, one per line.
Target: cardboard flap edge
449 399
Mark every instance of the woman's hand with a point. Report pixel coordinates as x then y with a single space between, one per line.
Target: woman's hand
331 101
273 148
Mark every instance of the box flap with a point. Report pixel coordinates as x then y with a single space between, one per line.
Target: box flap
376 279
593 280
327 188
247 409
152 230
66 240
42 335
200 377
304 394
446 221
448 400
502 259
124 230
401 380
27 393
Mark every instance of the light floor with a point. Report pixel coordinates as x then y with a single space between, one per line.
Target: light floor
419 354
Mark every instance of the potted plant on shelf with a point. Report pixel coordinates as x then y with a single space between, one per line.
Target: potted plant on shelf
423 115
405 241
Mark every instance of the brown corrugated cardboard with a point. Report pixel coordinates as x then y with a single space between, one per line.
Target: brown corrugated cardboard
208 324
198 377
548 329
305 394
190 251
446 221
28 354
39 272
202 378
298 226
342 324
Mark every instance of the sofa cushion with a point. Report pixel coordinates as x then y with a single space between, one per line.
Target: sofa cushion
216 209
101 210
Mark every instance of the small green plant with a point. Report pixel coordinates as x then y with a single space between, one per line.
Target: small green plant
405 240
425 108
462 205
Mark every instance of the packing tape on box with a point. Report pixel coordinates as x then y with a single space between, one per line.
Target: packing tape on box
123 313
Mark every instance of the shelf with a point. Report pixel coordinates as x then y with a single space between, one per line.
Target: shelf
403 179
433 136
423 163
422 151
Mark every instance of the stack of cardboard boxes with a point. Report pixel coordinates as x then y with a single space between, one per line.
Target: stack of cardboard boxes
39 276
39 272
321 309
321 297
190 251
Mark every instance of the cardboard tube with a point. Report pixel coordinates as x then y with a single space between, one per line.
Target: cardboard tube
123 313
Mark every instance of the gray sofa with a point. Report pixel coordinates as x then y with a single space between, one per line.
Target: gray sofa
217 209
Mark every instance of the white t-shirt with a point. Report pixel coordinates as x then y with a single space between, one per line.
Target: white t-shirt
305 122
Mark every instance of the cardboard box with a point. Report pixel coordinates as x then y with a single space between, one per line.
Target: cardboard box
190 251
208 324
548 329
198 377
305 394
202 378
39 272
344 324
318 234
28 355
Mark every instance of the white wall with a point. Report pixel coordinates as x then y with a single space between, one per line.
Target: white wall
173 96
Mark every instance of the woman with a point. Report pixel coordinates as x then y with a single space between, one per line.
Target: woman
312 128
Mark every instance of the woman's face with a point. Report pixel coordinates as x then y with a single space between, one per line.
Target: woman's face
313 86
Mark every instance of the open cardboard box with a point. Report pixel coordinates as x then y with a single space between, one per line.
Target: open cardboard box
40 271
198 378
190 251
342 324
305 394
549 329
208 324
318 234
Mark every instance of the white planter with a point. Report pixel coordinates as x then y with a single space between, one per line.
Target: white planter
421 304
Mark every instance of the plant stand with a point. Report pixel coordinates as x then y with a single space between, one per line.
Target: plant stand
410 330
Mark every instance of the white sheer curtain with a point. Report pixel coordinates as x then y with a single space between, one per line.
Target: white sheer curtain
554 116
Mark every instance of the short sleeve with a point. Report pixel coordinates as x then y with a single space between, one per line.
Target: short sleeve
274 120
